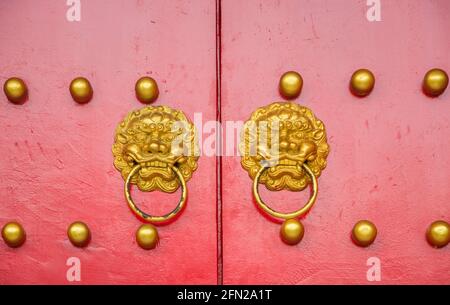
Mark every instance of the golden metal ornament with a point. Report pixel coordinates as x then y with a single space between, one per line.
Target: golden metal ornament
294 138
362 82
438 234
81 90
292 231
284 146
79 234
13 234
146 90
147 237
15 90
291 84
435 82
364 233
156 148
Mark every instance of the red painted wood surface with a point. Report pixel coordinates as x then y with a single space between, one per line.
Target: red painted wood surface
389 159
56 161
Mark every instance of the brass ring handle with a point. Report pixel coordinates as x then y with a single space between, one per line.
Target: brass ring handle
294 214
150 218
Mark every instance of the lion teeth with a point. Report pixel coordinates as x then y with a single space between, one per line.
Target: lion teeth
154 164
287 162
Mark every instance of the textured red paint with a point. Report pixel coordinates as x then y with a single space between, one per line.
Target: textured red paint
389 159
56 161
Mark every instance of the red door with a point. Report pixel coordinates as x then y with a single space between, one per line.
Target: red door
56 162
388 159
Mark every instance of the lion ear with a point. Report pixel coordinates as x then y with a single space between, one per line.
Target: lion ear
121 138
318 134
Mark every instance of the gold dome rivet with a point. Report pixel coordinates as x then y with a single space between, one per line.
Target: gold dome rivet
292 231
147 237
15 90
291 84
438 234
81 90
362 82
79 234
146 90
364 233
13 234
435 82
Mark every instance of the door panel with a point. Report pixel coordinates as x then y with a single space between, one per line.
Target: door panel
56 162
388 161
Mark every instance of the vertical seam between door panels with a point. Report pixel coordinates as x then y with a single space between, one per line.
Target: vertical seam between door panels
219 143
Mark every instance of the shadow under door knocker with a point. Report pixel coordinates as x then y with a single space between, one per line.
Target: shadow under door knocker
156 148
284 147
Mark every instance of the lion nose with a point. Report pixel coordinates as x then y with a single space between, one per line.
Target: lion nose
154 147
163 148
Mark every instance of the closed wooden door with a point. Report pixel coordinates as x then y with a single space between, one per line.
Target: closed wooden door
56 161
218 60
389 156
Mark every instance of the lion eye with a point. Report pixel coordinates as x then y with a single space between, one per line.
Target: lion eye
168 137
139 138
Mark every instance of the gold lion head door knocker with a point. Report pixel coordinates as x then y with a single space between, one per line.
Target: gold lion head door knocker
155 148
284 147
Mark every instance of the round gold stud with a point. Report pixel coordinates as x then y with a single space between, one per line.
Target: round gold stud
15 90
292 231
147 237
291 84
146 90
438 234
435 82
81 90
362 82
13 234
364 233
79 234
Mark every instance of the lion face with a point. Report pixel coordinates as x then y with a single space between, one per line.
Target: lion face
154 138
284 135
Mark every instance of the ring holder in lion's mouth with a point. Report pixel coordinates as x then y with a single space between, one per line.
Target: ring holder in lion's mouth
156 148
284 147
